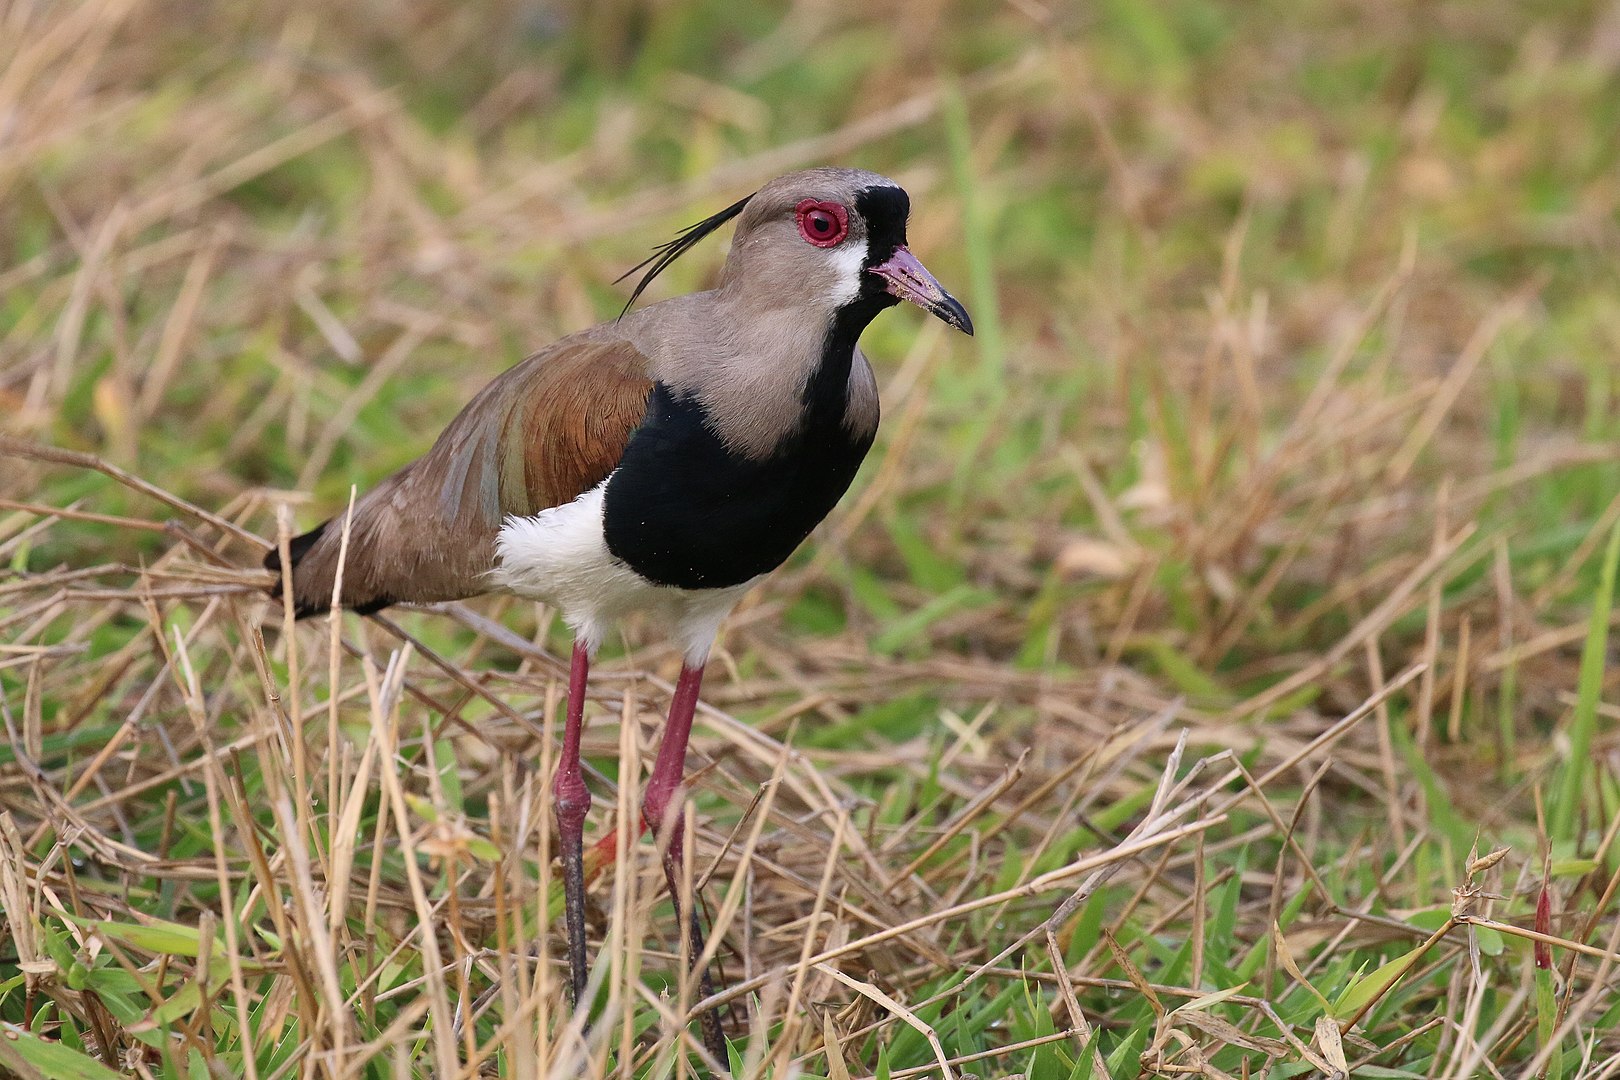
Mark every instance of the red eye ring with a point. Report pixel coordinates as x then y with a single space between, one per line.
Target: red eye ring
824 224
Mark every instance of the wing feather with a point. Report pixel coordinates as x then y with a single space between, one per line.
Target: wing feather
543 433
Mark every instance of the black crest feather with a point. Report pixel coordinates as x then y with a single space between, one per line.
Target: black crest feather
670 250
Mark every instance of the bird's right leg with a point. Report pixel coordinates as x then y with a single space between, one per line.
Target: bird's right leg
661 810
572 800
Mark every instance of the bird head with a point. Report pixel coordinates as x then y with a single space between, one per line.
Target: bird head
834 239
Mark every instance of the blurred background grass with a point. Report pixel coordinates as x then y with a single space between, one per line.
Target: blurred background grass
1296 368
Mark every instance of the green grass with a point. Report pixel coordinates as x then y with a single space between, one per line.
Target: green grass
1289 431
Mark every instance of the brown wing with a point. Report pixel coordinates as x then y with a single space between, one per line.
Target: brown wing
541 434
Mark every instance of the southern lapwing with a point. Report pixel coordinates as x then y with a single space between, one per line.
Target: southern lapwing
663 462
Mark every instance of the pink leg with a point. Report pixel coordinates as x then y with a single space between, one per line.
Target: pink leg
572 800
664 815
670 768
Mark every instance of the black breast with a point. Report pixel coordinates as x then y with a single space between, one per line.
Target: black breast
683 510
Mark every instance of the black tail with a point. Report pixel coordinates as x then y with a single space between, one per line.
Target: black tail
297 547
312 589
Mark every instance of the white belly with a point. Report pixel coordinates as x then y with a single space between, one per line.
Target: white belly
560 557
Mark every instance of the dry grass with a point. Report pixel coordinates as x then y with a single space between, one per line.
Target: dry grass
1147 708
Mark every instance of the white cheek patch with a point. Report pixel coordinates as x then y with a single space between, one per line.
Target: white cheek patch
847 260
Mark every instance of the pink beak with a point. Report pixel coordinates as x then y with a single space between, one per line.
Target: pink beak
907 278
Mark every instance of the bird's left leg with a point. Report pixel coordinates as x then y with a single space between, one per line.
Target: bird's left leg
572 800
662 811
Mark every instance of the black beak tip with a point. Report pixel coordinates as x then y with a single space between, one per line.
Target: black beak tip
954 314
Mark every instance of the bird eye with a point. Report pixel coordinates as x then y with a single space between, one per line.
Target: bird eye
824 224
